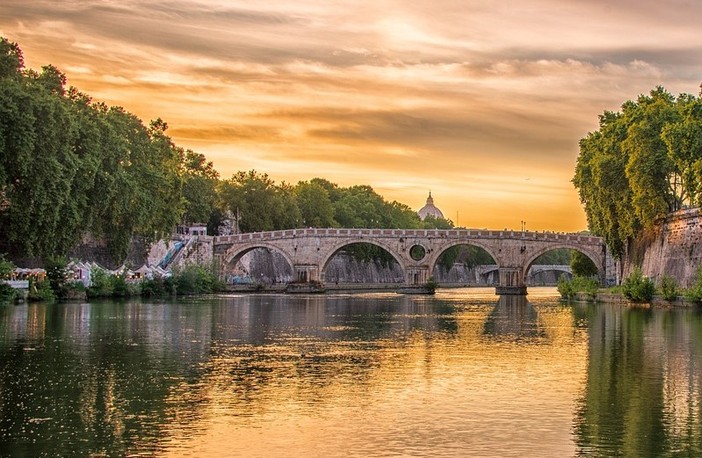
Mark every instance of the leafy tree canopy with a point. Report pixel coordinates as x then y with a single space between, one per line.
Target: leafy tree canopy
70 166
642 163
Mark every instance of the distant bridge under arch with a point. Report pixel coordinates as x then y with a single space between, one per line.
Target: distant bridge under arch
416 250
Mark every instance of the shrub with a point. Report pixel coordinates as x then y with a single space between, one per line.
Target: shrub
569 288
431 285
57 274
566 288
7 293
120 287
156 287
40 291
101 284
638 288
694 292
194 279
6 268
669 288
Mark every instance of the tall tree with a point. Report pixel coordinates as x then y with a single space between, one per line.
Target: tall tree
683 139
642 163
261 204
649 168
199 188
315 206
11 60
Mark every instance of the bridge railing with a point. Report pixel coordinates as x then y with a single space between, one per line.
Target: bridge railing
407 233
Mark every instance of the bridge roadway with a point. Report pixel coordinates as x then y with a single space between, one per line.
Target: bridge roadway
308 251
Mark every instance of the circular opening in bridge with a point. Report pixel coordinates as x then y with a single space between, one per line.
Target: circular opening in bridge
417 252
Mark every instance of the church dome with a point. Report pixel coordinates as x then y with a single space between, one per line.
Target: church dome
430 210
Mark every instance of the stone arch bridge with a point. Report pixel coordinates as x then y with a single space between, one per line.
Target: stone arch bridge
416 250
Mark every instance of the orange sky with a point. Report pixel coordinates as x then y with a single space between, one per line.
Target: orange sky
483 103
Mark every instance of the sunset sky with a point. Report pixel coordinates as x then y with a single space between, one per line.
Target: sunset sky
481 102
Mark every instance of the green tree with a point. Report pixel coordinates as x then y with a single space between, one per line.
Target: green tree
602 184
582 266
11 59
38 158
69 166
262 205
683 140
360 206
199 188
431 222
561 256
649 169
641 163
401 216
316 209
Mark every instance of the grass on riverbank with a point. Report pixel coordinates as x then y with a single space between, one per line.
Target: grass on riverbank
190 280
635 288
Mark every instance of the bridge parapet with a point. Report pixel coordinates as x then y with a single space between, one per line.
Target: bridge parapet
423 233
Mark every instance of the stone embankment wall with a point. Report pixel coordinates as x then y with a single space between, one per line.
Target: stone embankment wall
91 249
674 248
94 249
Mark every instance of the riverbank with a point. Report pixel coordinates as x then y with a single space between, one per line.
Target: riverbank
617 298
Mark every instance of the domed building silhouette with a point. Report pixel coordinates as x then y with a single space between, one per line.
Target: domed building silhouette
430 210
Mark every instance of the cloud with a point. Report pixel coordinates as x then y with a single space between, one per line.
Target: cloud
465 97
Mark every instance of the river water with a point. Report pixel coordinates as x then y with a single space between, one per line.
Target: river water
461 373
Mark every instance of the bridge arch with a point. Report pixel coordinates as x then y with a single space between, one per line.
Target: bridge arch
436 253
334 250
596 258
538 274
236 252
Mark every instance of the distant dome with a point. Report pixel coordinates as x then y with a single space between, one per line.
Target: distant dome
430 210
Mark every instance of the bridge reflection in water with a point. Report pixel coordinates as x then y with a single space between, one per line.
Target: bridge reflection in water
513 317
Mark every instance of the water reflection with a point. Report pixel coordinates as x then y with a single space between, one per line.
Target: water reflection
458 374
642 396
513 317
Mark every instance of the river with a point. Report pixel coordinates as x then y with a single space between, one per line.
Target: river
461 373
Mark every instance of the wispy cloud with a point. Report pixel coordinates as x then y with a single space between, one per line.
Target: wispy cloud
483 102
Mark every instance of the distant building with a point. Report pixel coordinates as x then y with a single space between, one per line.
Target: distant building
192 229
430 210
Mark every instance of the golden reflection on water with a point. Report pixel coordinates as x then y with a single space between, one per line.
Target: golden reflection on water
504 372
458 374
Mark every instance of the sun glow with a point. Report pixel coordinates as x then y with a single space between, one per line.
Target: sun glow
485 104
